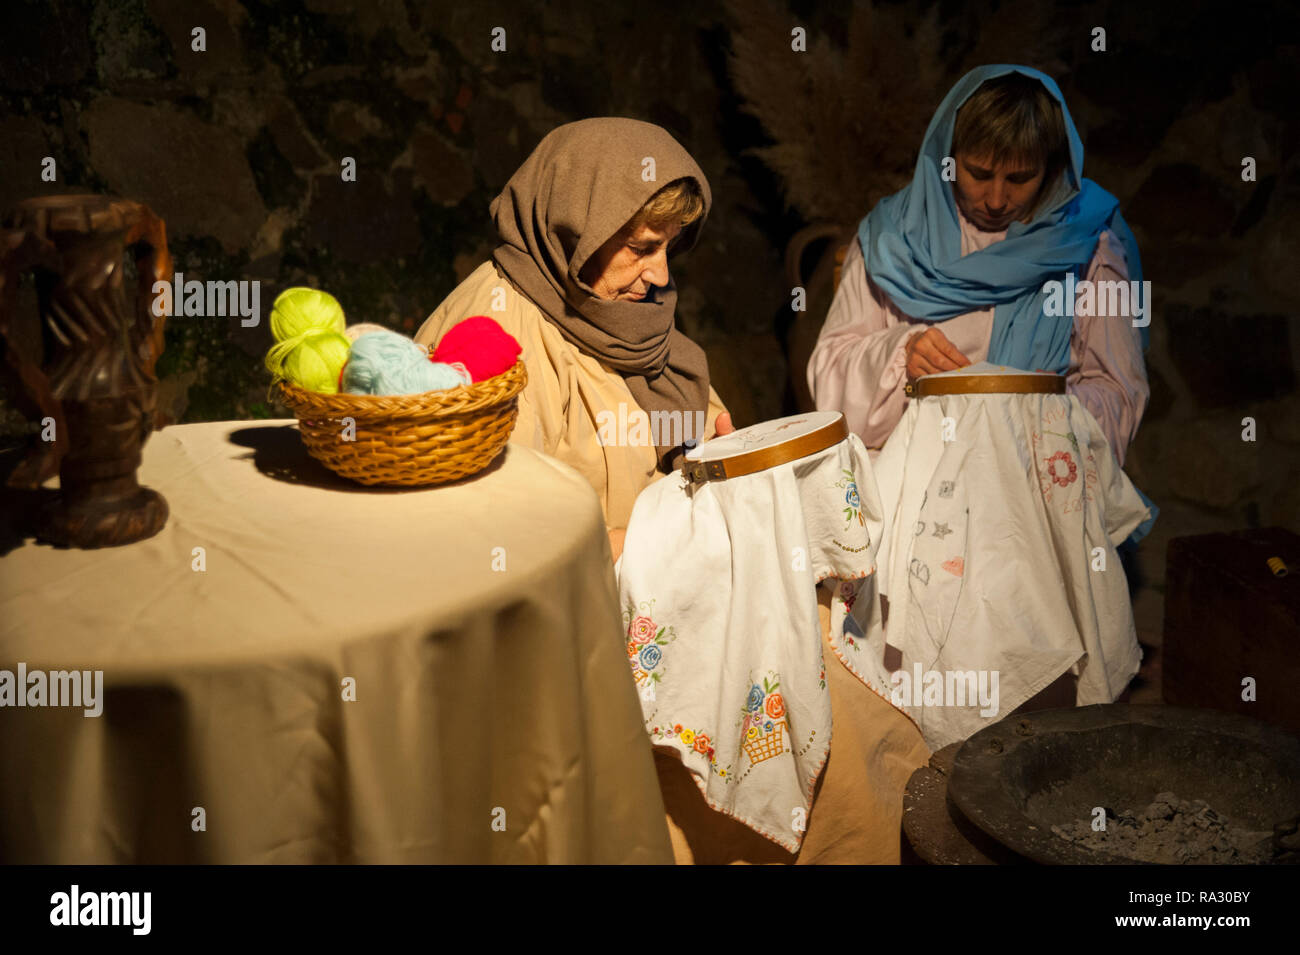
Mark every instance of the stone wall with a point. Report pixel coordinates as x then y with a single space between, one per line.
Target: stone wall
238 148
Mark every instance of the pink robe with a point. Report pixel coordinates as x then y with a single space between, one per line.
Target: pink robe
859 366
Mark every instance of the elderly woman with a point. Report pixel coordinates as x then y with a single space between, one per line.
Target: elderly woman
581 280
951 270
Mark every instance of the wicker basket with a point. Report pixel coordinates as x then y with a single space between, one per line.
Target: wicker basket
410 440
766 747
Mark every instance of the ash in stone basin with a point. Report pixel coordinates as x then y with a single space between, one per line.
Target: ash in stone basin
1172 831
1030 779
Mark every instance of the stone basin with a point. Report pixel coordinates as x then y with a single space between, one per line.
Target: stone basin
1019 778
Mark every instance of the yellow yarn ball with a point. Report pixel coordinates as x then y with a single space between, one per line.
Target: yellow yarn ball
310 348
300 309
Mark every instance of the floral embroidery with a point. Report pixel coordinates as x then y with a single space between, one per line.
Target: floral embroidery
645 643
696 740
1060 477
848 595
764 739
1070 436
852 501
642 630
1062 469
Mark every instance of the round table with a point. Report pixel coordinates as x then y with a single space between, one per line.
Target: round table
302 669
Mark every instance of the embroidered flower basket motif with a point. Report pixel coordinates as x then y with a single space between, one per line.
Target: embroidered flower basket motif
766 747
763 731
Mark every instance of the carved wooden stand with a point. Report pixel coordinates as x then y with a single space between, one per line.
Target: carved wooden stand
95 378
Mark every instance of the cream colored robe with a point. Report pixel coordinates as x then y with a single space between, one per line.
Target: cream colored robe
567 389
857 811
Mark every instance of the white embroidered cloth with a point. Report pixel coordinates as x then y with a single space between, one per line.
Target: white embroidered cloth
718 587
1002 516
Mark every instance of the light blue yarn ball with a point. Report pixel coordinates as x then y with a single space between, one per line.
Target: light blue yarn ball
386 363
447 376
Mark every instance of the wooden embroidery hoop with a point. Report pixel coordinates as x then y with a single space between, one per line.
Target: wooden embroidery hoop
1024 383
764 445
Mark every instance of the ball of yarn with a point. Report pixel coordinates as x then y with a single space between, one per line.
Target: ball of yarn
362 328
481 345
310 348
300 309
455 376
386 363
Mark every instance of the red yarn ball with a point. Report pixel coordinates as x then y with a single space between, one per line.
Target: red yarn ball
481 345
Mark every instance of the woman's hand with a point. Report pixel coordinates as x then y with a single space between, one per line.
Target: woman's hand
723 425
931 352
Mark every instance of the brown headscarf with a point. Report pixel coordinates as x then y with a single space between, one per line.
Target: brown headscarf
580 186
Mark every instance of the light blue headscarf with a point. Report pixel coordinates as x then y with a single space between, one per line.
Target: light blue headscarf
911 242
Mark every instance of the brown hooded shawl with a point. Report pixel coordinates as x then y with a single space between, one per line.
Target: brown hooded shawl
581 185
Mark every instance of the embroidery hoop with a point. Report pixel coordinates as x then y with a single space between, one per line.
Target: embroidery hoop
765 445
1017 383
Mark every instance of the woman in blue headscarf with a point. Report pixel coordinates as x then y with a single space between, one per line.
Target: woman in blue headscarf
951 270
970 263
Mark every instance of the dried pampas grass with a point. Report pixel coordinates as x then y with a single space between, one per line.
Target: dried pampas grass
846 118
845 123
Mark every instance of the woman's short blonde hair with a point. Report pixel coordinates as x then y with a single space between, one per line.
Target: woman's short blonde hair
1013 118
679 203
